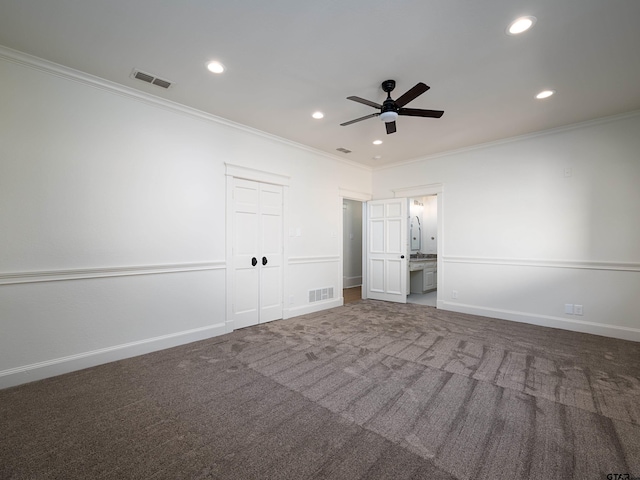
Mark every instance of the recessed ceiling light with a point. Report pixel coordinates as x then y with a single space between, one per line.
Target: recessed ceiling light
318 115
377 142
545 94
520 25
215 67
377 157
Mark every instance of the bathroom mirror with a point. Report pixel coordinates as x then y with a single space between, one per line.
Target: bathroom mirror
415 233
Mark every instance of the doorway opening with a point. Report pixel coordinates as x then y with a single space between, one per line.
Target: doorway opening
351 250
423 250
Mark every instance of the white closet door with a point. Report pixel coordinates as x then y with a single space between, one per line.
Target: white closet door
257 253
246 241
387 252
271 254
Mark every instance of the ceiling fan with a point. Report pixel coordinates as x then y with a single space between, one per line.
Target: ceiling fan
390 108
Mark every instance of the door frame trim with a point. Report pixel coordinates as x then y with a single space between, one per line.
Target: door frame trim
233 171
363 198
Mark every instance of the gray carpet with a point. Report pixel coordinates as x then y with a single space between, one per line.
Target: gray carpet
370 390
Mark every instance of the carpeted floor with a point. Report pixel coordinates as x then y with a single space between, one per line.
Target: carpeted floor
370 390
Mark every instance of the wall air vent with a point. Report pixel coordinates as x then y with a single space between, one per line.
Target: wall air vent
152 79
320 294
343 150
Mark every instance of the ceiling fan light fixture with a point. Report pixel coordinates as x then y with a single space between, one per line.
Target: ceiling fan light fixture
388 117
520 25
318 115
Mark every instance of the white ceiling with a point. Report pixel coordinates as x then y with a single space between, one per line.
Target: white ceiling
287 58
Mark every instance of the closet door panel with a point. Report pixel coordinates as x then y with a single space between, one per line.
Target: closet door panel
271 247
246 244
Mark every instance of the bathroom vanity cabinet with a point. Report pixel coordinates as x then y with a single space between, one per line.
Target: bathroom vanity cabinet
423 275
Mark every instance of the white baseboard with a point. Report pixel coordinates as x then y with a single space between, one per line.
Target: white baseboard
312 308
348 282
59 366
582 326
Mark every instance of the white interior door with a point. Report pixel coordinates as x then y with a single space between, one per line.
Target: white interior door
257 253
387 250
271 241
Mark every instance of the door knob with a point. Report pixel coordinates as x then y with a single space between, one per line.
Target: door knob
264 260
401 256
254 261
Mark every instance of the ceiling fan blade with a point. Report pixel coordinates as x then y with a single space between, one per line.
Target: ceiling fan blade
365 101
418 112
359 119
391 127
412 93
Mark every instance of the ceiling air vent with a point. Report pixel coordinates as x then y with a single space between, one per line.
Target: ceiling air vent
343 150
152 79
161 83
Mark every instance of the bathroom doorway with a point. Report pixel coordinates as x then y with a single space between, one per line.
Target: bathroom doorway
423 250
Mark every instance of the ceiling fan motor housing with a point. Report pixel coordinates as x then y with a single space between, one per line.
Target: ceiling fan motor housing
389 111
389 105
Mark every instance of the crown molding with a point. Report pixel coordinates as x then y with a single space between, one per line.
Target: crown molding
517 138
61 71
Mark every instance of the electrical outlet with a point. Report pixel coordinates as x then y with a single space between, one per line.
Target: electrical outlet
577 309
568 308
454 294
